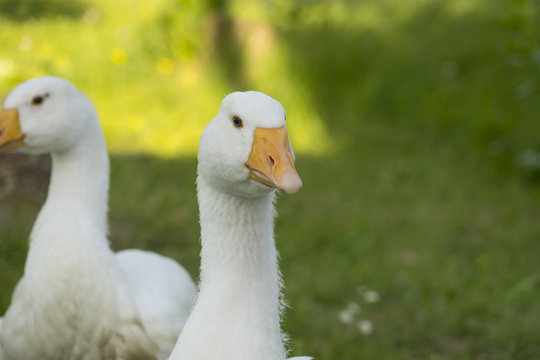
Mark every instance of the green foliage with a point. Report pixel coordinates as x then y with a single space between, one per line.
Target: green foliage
177 30
416 124
22 10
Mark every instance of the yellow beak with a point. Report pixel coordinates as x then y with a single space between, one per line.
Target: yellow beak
271 162
11 136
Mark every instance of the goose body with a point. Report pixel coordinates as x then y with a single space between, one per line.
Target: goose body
244 154
77 299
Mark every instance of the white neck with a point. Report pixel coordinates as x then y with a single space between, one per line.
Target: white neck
237 314
79 184
72 223
69 272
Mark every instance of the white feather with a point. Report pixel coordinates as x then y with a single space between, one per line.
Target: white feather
1 352
237 313
164 290
77 299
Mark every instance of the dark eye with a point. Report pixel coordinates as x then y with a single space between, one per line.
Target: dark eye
237 122
37 100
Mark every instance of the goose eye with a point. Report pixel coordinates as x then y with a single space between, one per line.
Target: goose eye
237 122
37 100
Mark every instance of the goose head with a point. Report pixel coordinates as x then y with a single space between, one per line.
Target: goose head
45 114
245 149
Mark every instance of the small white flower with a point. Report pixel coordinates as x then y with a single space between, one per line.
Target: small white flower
26 43
6 67
365 327
371 296
346 317
528 160
353 308
92 16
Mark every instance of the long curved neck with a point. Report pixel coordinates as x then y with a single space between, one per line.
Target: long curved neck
78 187
237 240
240 281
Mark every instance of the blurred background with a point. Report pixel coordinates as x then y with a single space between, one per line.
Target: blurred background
417 132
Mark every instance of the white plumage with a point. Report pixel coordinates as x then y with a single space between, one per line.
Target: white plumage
77 299
244 154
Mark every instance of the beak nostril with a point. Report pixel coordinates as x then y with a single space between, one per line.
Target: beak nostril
271 160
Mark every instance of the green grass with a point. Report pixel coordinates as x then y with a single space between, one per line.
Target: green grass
417 129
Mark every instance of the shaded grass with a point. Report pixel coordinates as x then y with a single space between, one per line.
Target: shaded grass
455 262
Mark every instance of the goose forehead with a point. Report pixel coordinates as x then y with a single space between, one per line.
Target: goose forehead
256 107
37 86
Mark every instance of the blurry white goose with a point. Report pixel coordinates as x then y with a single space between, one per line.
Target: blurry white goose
77 299
244 155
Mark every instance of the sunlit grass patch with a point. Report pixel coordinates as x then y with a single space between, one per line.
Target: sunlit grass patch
118 53
119 56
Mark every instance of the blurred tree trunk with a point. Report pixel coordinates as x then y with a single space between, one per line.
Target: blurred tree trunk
224 43
239 45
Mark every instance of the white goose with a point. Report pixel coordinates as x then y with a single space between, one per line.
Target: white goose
244 154
78 299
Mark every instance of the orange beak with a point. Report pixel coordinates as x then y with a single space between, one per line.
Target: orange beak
271 161
11 136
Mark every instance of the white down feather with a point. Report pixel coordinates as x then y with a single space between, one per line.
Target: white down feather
77 299
237 313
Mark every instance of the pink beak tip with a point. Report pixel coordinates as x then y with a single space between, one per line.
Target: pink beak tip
291 183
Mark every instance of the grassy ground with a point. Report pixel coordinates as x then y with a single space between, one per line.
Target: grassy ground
417 124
